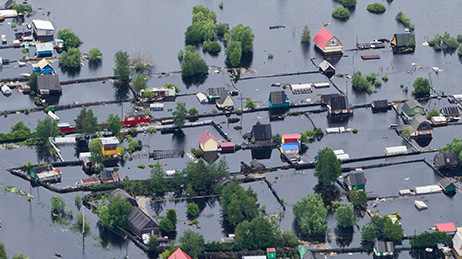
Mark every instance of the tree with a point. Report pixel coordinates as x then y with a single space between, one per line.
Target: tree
193 111
47 128
311 215
192 243
86 122
368 234
455 147
32 81
360 83
327 168
70 58
407 131
70 39
376 8
243 34
96 156
358 198
348 3
171 215
341 13
115 213
249 103
257 234
212 47
21 8
94 54
153 241
192 210
2 251
57 204
392 231
431 239
77 226
166 226
289 239
157 179
234 53
421 86
179 115
434 112
140 82
122 61
113 124
237 204
193 64
345 216
306 38
203 25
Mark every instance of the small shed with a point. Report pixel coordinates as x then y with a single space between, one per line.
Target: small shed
215 92
137 115
421 126
289 148
156 106
208 142
224 180
326 42
225 102
261 133
403 43
327 68
439 120
49 85
271 253
278 99
449 228
110 146
337 105
256 165
455 98
140 223
457 244
43 30
202 98
9 13
44 49
384 249
412 108
6 4
179 254
452 113
380 106
109 176
301 88
90 181
227 146
445 161
124 195
290 138
356 181
447 185
397 150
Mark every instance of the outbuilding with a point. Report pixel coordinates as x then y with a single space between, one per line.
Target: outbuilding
225 102
48 85
43 67
384 249
261 134
43 30
278 99
326 42
44 49
301 88
397 150
403 43
457 245
447 185
227 146
449 228
140 223
451 113
124 195
156 106
445 161
412 108
327 68
179 254
356 181
110 146
380 106
421 126
109 176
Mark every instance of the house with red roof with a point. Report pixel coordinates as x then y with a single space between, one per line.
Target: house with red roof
327 42
208 142
449 228
179 254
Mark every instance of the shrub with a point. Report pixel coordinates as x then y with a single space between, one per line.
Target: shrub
141 166
212 47
197 152
348 3
385 78
94 54
70 39
180 55
360 83
220 5
270 56
421 86
306 38
222 29
378 82
249 103
355 131
404 20
376 8
192 209
341 13
70 58
193 64
239 112
459 50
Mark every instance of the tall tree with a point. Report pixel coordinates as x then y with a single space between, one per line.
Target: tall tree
244 35
80 119
257 234
157 180
122 61
115 213
90 123
47 128
2 251
171 215
345 216
70 39
327 168
113 124
96 156
192 243
179 115
311 215
237 204
140 82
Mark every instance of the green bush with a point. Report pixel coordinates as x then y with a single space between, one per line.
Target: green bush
222 29
197 152
192 210
94 54
193 64
250 104
348 3
376 8
141 166
341 13
70 58
70 39
361 83
421 86
404 20
385 78
180 55
306 38
212 47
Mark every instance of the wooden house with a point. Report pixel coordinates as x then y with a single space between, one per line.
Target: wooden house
109 176
457 245
403 43
179 254
215 93
451 113
208 142
261 134
380 106
110 146
445 161
449 228
43 30
421 126
447 185
43 67
412 108
326 42
278 99
161 93
225 102
44 49
337 105
384 249
255 165
356 181
327 68
140 223
124 195
48 85
137 116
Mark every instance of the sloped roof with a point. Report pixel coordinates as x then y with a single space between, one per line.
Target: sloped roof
261 131
109 141
48 82
136 113
335 101
418 120
322 37
206 135
380 104
450 111
410 105
226 144
124 195
446 227
139 221
278 97
325 65
357 178
43 25
289 146
179 254
445 159
43 63
223 97
403 39
383 247
256 165
291 136
216 91
44 47
107 175
445 182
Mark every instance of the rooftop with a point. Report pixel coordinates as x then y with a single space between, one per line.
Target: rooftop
43 25
109 140
446 227
205 136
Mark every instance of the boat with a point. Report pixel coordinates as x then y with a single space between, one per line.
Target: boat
3 39
6 90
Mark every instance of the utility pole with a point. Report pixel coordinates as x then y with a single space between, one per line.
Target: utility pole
83 227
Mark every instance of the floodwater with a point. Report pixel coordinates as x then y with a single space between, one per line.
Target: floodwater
156 30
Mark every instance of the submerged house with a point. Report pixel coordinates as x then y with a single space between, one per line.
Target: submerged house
412 108
44 49
140 223
215 93
46 173
6 4
261 134
380 106
421 126
449 228
43 67
109 176
48 85
326 42
356 181
43 30
208 142
160 93
111 146
445 161
141 116
447 185
278 99
457 245
225 102
451 113
403 43
384 249
337 105
327 68
124 195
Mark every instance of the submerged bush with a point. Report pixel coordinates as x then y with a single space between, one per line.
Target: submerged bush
376 8
341 13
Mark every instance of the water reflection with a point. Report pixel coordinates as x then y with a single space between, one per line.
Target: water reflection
72 72
423 141
344 236
109 237
194 80
43 154
95 64
122 90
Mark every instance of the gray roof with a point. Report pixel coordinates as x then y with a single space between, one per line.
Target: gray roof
278 97
261 131
222 98
255 165
218 91
447 159
405 39
106 175
335 101
44 47
446 182
357 178
136 113
380 104
124 195
43 168
410 105
48 82
109 141
139 222
450 111
382 247
325 65
420 122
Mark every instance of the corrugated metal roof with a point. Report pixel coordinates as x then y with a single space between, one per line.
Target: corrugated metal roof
48 82
261 131
44 47
278 97
43 25
109 140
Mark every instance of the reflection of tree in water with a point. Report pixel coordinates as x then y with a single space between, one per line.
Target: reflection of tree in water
110 237
344 236
328 193
194 80
122 91
422 254
71 71
95 64
157 206
43 154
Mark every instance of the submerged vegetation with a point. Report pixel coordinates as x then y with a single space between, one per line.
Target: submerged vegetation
376 8
341 13
404 20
